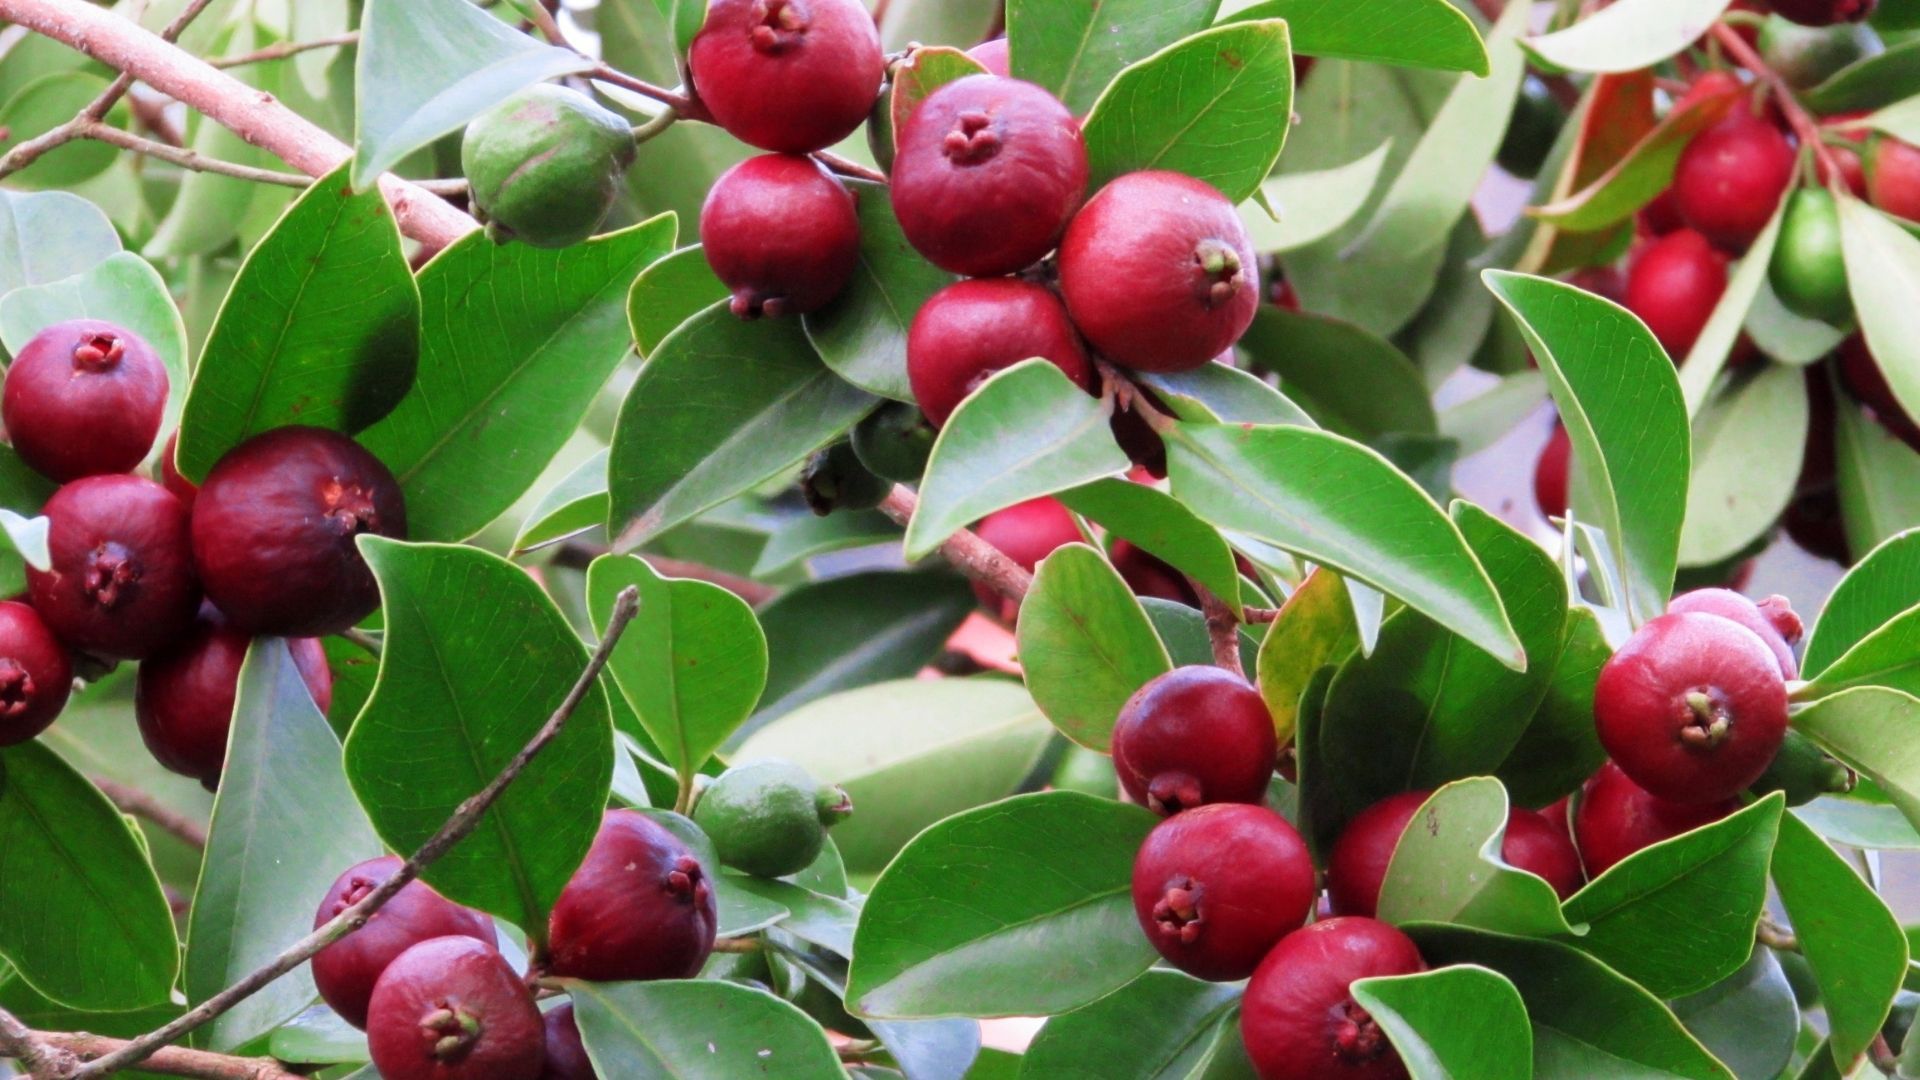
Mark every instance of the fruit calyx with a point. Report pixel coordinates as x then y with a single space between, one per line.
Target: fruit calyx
779 25
1712 720
16 688
972 140
350 508
1221 274
1356 1036
454 1030
1172 792
1178 912
687 882
833 804
99 352
111 574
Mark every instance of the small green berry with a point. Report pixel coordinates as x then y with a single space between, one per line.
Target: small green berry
769 818
545 165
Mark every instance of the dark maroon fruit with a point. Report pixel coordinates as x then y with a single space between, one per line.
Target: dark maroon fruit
1860 372
1673 284
1823 12
1216 887
121 584
1299 1020
1026 533
1357 866
791 76
184 697
971 329
345 972
987 174
35 674
1618 817
1693 707
566 1054
1766 625
1196 735
640 907
451 1008
274 529
782 234
1730 178
1149 575
1159 273
1551 473
84 398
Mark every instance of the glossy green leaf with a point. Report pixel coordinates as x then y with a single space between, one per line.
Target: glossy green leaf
1871 82
1410 33
1628 911
721 406
82 917
697 1030
517 342
577 504
1315 629
1183 630
1854 945
1629 35
1879 480
1085 644
1783 335
51 235
1058 933
862 335
1455 1022
321 328
1882 586
1214 105
1883 270
1856 823
669 292
437 64
692 663
1559 749
474 660
1447 867
1075 49
1748 1020
807 537
1876 731
283 791
1313 205
826 921
1484 419
1888 657
1162 1026
1156 523
1352 381
685 17
1216 393
1729 502
1027 431
1621 402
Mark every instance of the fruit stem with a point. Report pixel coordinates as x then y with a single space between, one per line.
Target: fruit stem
1797 116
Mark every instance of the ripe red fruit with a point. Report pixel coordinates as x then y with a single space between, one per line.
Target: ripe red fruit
1550 473
184 697
84 398
1765 624
1893 177
1602 281
35 675
1661 216
791 76
451 1008
183 489
988 171
971 329
121 584
566 1054
345 972
1823 12
640 907
1216 887
1692 707
1196 735
1860 373
1730 179
782 234
1149 575
994 56
1618 817
1026 533
1299 1020
1159 273
274 528
1673 284
1357 866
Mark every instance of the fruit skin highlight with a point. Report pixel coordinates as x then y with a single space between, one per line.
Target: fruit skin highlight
1195 735
450 1008
84 398
782 234
121 584
791 76
1217 886
1299 1020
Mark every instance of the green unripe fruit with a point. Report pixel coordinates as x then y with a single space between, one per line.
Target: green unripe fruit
545 166
1807 56
895 442
1536 123
769 818
1803 772
1808 271
835 479
1084 770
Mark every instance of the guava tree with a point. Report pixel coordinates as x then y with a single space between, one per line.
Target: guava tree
791 538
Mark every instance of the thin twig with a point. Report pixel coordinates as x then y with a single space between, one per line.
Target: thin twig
1256 615
1223 630
653 127
21 1043
284 50
678 102
846 167
188 159
464 820
366 641
737 945
544 21
968 553
1797 116
171 1060
1774 936
132 800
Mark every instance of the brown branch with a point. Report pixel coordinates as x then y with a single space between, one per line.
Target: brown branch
678 102
1774 936
29 1048
464 820
150 111
140 804
169 1061
1223 630
548 26
968 553
284 50
847 167
255 116
1798 118
1255 615
188 159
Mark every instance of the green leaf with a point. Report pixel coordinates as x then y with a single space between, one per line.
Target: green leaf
1859 824
1162 1026
518 341
669 292
720 406
862 335
685 17
1341 505
1086 644
1075 49
1700 369
474 660
826 921
1156 523
1877 732
1883 272
46 103
692 663
1183 630
1559 748
1639 177
1216 393
1588 1021
321 328
1880 587
1720 868
1410 33
1621 402
1879 480
437 64
1027 431
82 917
577 504
1214 106
1627 36
1058 929
50 235
1781 334
970 741
1316 629
1887 657
1458 1021
1870 82
696 1030
1447 867
1729 502
1352 381
283 791
1314 205
1749 1020
1854 945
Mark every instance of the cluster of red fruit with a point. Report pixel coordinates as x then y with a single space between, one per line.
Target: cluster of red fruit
989 174
178 578
425 979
